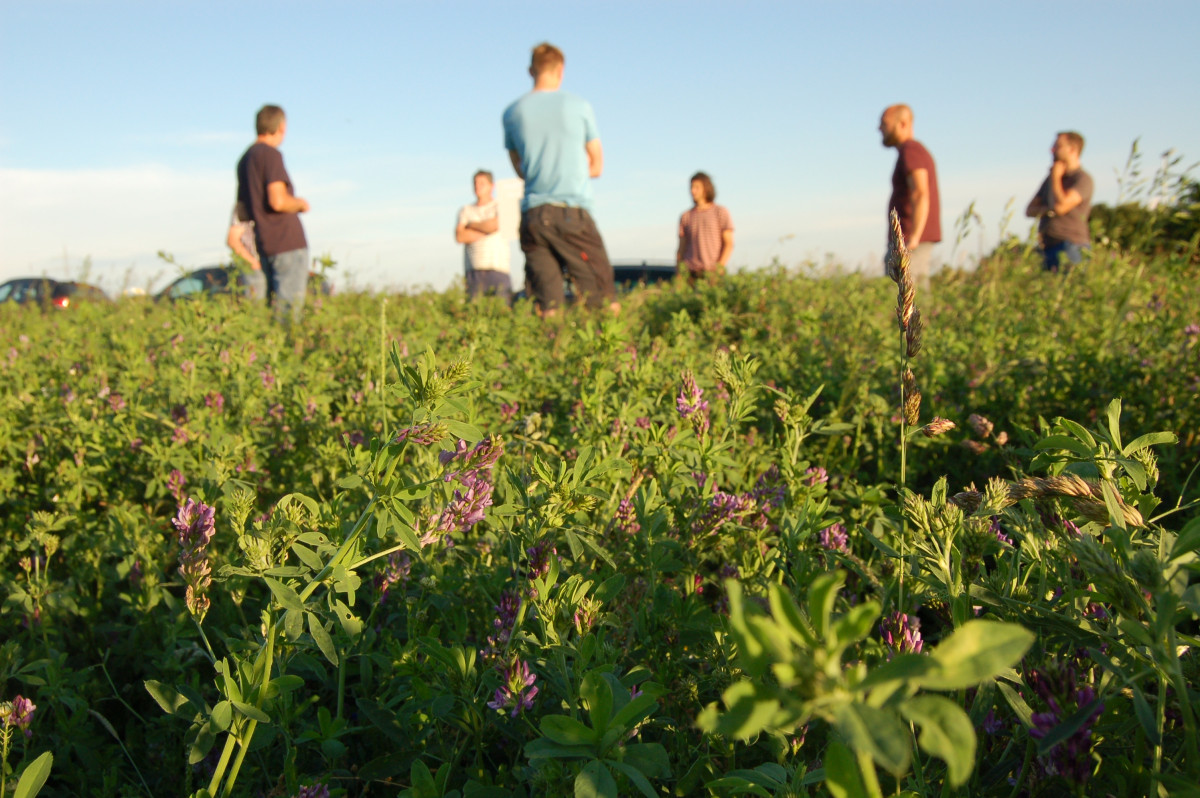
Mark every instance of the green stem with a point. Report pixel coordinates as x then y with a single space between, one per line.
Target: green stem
866 766
259 699
222 763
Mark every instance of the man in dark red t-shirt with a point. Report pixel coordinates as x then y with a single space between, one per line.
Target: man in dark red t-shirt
914 190
265 190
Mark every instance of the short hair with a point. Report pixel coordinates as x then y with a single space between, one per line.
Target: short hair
1075 139
545 56
268 120
487 174
710 191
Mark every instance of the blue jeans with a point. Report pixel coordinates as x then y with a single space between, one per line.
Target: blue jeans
1054 251
287 282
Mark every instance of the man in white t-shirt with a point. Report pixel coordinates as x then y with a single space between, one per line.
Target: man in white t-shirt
486 256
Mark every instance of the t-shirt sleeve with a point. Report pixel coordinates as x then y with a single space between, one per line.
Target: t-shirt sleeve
724 219
273 169
462 216
590 130
510 141
914 158
1084 186
683 225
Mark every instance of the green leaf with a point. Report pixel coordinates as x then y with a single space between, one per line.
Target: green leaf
842 776
566 730
350 483
166 697
544 748
34 776
650 758
351 624
1079 432
946 732
610 588
977 650
821 595
595 781
877 732
283 684
1113 503
746 713
787 616
222 715
636 776
1018 705
288 598
322 638
903 667
308 557
1114 422
463 430
1064 442
1149 439
598 694
1145 715
856 624
251 711
634 712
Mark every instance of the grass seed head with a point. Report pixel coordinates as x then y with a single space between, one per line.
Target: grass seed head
938 426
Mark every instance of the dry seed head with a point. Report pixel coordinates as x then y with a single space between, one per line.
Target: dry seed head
937 427
912 335
906 298
1086 496
980 425
897 257
912 408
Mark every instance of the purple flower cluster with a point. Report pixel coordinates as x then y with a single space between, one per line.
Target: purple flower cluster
902 634
215 400
539 559
625 518
834 538
724 508
816 476
19 714
397 570
518 689
691 406
175 482
1065 694
473 472
502 625
424 434
508 411
998 531
195 523
318 790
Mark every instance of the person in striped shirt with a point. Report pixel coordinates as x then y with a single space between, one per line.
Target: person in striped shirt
705 232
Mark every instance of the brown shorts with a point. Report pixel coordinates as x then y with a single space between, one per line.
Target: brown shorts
556 238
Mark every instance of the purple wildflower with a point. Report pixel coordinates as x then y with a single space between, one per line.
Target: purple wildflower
508 411
196 524
503 624
539 559
998 531
1192 330
834 538
187 367
816 476
901 633
175 482
518 690
397 570
992 724
467 507
723 508
180 436
179 414
268 379
216 401
641 422
116 402
19 714
689 402
318 790
625 518
1064 695
424 434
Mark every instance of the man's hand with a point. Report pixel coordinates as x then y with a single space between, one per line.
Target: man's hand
281 201
1057 170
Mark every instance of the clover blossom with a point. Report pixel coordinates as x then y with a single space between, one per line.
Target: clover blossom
318 790
724 508
816 476
625 518
466 508
834 538
508 411
998 531
175 482
424 434
18 714
503 624
397 570
902 634
1061 688
688 403
539 559
518 690
196 524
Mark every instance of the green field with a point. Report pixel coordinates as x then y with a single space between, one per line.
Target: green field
703 548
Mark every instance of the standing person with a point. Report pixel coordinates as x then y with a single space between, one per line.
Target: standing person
241 240
553 143
705 232
485 257
914 190
1062 205
265 190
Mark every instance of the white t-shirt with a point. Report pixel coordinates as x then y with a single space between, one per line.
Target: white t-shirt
489 252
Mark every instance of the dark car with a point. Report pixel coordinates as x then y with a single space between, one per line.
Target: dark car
49 293
627 275
71 293
227 279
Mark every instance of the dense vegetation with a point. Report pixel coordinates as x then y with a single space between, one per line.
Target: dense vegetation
413 547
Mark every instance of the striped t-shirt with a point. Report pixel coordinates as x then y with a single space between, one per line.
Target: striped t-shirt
700 230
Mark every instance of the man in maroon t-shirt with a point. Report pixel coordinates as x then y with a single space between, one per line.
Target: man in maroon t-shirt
914 190
265 190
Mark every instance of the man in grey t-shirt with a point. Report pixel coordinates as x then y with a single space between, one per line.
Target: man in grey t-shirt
1062 205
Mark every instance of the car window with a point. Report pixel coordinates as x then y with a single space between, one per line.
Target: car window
5 290
185 286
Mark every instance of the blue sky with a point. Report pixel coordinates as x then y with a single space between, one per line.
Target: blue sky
121 122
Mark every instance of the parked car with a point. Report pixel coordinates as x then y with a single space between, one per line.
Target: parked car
627 275
49 293
226 279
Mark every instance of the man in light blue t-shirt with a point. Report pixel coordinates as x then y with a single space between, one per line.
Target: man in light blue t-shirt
554 145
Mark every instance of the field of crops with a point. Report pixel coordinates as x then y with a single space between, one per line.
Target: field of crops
724 544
